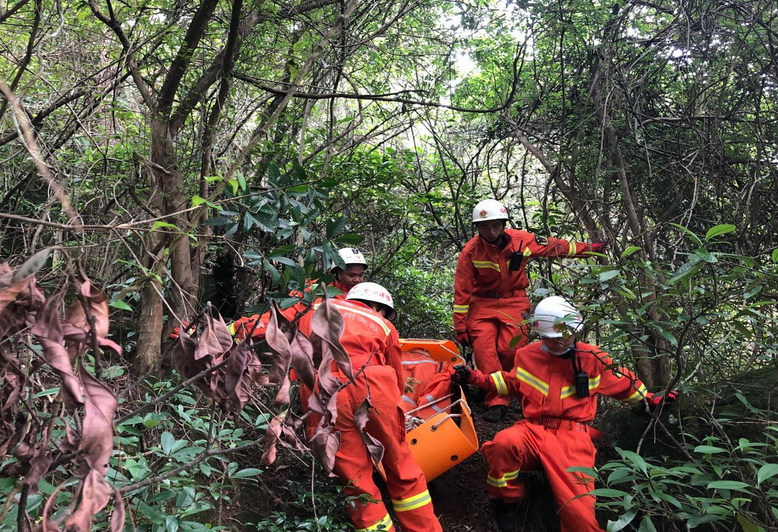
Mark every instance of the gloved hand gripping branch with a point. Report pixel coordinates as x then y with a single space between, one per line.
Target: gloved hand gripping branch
657 401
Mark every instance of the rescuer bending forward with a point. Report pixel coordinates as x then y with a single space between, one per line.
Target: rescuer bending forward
558 380
372 344
490 300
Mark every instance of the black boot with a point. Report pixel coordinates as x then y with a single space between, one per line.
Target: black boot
507 515
495 413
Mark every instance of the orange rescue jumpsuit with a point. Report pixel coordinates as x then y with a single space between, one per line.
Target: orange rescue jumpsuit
372 344
490 300
554 434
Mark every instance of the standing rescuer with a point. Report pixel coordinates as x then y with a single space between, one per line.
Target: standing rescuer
372 344
558 380
352 272
490 299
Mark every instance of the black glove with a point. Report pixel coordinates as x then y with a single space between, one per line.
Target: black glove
461 375
657 401
463 338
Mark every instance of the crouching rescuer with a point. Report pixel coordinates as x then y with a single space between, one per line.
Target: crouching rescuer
558 380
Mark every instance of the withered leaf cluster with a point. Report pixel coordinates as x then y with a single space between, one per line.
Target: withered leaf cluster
64 333
231 368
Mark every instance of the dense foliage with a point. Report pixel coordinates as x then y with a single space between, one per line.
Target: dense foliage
212 155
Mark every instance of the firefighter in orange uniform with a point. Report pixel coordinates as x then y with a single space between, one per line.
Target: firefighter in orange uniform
558 380
490 300
346 278
371 342
352 272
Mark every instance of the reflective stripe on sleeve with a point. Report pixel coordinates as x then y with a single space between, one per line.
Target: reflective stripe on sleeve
572 249
461 309
503 480
637 396
499 382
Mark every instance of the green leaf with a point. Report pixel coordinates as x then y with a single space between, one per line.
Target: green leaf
121 305
160 224
694 238
774 255
607 275
197 200
709 449
747 525
686 270
335 226
351 239
765 472
706 255
718 230
622 521
646 525
168 441
609 492
635 459
249 472
629 251
735 485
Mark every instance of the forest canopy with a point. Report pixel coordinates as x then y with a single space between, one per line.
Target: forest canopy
180 162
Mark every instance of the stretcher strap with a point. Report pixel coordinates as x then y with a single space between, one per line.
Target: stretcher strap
443 420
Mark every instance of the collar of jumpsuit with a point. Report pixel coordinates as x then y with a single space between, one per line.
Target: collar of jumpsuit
559 347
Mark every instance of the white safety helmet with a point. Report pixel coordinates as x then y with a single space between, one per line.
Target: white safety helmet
554 316
375 293
489 209
351 256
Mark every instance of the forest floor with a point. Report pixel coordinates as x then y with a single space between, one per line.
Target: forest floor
459 495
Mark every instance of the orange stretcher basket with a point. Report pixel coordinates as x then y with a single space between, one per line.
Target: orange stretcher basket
440 350
445 439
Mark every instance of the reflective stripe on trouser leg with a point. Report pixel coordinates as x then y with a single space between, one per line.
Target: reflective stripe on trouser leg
412 503
383 524
511 452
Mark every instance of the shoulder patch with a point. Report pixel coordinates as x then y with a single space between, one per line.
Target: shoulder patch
543 241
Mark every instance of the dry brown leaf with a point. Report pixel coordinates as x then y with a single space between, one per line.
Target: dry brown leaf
117 517
327 324
48 330
302 359
234 375
9 288
97 432
325 443
183 356
97 305
361 417
95 493
279 332
272 434
39 463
